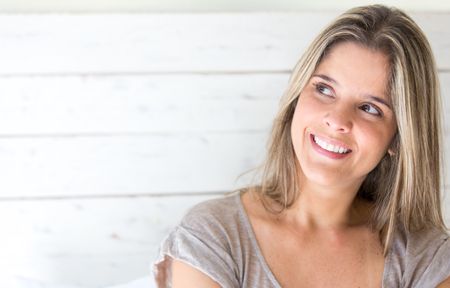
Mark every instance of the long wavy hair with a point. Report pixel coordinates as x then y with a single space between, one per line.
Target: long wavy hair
405 187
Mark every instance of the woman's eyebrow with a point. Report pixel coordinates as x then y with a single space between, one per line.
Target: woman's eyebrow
326 78
380 100
372 97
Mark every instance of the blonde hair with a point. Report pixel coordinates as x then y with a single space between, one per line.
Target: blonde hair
405 187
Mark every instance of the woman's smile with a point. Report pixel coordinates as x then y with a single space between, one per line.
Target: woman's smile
330 149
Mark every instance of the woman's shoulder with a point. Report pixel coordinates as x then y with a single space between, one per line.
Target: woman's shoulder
208 238
426 239
421 257
219 211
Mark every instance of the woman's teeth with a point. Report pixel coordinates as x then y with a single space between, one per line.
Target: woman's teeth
330 147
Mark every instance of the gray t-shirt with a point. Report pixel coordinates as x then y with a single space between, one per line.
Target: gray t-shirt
216 237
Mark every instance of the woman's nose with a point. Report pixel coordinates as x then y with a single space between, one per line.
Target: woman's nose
339 120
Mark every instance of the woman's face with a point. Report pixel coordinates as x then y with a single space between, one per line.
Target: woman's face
343 123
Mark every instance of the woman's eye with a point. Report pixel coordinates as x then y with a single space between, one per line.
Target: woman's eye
371 109
324 90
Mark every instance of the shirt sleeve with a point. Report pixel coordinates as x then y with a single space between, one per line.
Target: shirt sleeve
439 268
418 259
199 242
427 259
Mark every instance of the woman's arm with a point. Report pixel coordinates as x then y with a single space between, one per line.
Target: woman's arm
186 276
445 284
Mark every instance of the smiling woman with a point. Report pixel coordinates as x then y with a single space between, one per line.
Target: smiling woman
349 195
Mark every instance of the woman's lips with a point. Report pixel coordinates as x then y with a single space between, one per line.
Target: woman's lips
327 153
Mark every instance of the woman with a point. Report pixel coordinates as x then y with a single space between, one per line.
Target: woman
350 192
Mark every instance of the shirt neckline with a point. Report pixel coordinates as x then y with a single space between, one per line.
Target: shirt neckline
262 260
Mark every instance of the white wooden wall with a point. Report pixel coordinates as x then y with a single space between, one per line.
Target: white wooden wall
111 126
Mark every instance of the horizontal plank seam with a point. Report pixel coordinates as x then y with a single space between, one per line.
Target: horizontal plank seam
110 196
175 13
129 134
138 73
126 196
151 73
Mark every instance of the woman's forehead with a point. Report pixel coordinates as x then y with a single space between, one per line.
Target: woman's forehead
352 66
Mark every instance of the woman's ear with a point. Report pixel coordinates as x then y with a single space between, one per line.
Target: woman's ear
394 147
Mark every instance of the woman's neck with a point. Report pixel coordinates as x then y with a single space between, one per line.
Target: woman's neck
328 208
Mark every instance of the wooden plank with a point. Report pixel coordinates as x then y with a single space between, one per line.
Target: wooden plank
446 205
138 103
433 26
107 241
142 43
154 163
141 165
444 79
77 105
